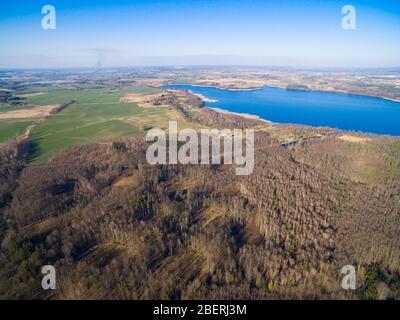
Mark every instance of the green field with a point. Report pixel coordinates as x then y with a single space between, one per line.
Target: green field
11 128
6 108
96 116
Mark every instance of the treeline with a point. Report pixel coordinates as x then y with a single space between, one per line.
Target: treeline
13 157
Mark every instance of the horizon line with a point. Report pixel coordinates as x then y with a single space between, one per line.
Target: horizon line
198 66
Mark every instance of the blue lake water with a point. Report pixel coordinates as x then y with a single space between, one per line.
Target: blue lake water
342 111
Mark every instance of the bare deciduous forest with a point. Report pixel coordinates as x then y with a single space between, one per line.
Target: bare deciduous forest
117 228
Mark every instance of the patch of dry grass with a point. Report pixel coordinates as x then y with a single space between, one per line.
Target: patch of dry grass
354 139
28 113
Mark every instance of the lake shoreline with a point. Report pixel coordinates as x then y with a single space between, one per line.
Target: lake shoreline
337 92
240 114
283 87
341 110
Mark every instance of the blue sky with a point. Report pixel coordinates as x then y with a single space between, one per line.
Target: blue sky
199 32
